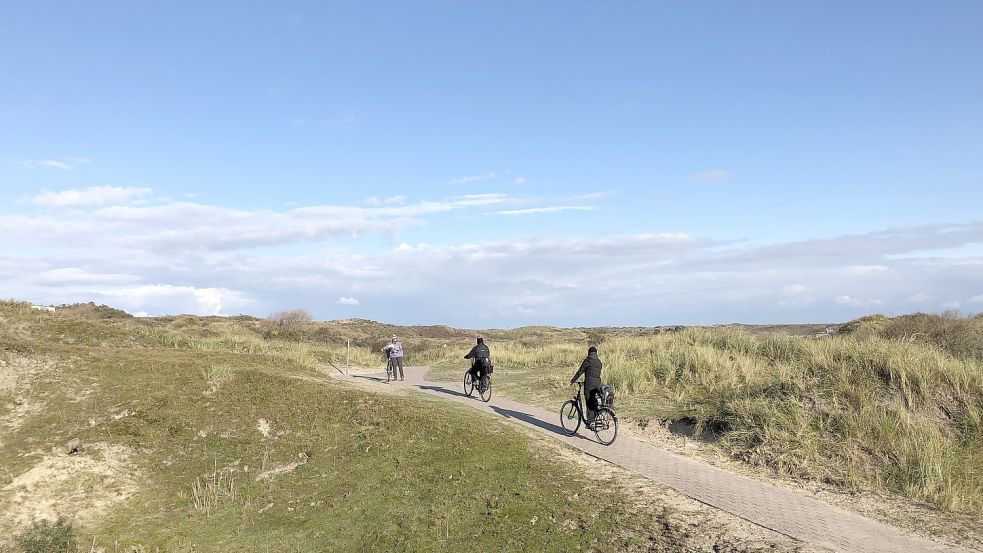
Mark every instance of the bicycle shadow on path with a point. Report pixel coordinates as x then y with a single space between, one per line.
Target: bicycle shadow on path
447 391
372 378
529 419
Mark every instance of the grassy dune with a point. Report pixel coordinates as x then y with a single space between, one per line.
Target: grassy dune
895 405
206 436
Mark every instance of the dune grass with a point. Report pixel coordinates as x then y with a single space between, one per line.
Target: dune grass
859 411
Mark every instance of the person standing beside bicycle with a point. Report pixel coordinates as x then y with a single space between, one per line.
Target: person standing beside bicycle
591 369
394 350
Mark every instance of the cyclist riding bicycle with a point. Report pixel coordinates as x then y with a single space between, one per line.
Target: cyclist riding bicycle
394 350
591 369
480 357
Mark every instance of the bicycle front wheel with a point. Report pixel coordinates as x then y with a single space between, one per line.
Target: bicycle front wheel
606 426
468 383
485 388
570 417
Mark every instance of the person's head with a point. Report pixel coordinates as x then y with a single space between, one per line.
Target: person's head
481 340
394 338
592 351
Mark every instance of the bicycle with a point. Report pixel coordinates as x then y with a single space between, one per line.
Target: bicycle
390 370
484 385
605 425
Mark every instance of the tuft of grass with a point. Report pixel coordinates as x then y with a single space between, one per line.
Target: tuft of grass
45 536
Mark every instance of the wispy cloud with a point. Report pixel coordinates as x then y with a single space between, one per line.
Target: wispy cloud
549 209
50 163
93 196
474 178
56 165
520 180
591 196
396 200
713 175
347 301
82 160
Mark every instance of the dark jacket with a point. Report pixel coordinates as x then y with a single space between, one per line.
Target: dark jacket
479 351
591 369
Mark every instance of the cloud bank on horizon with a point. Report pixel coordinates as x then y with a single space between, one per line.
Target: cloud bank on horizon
495 164
181 257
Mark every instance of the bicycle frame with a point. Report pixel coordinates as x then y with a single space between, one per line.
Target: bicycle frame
581 406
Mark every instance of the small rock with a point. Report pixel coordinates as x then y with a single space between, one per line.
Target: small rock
74 446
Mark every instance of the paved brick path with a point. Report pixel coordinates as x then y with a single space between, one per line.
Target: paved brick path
781 510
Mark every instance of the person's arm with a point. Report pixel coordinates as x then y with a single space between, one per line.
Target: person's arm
582 370
471 353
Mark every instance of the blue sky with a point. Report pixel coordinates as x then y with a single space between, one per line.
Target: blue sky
510 163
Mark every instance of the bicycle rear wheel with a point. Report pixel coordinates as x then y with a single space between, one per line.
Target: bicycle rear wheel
485 388
606 426
468 383
570 417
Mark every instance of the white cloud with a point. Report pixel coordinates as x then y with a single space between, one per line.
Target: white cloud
465 180
169 299
75 275
590 196
396 200
866 269
976 299
857 302
520 180
93 196
82 160
56 165
550 209
713 175
373 201
347 301
790 290
920 297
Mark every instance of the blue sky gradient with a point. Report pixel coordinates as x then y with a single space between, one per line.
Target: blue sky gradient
551 162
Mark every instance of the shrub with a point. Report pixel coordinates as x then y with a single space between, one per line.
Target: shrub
293 317
48 537
186 321
956 335
92 312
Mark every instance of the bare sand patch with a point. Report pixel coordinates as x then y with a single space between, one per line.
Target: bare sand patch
84 486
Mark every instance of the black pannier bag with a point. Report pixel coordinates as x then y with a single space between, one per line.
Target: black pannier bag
486 364
606 396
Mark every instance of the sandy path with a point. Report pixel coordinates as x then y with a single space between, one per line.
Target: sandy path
771 507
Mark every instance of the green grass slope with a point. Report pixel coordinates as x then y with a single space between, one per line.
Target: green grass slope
206 437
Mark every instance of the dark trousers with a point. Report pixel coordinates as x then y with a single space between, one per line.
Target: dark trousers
477 371
592 403
397 362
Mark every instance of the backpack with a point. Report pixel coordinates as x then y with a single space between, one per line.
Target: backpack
605 396
486 364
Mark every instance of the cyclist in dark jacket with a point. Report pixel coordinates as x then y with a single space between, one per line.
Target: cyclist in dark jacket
479 356
591 369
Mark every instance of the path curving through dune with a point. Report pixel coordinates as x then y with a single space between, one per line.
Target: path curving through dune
777 509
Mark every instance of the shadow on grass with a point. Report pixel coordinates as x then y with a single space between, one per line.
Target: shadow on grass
372 378
529 419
